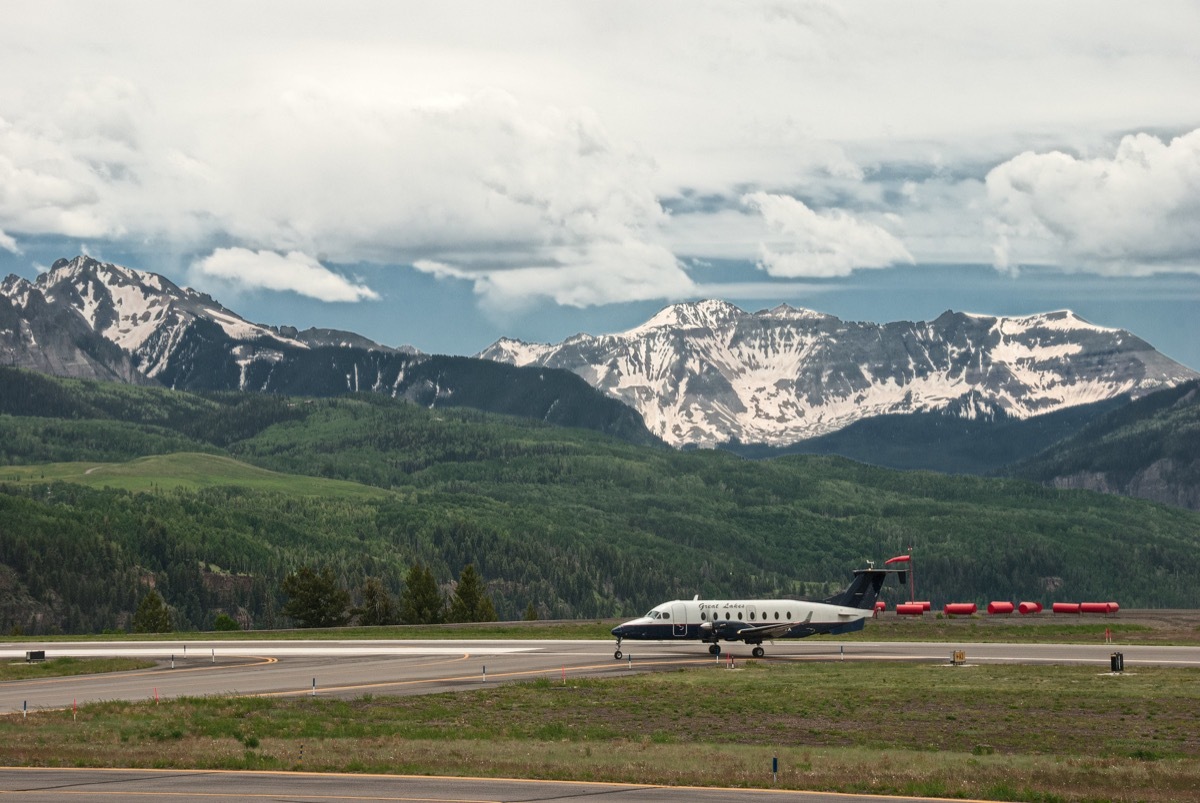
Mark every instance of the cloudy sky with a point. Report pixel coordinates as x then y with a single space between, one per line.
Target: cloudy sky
441 174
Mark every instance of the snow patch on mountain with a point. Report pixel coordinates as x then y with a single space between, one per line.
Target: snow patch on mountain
708 372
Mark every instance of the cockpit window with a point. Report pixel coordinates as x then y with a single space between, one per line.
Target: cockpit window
666 615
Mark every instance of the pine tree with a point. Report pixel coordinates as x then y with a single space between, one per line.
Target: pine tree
378 608
224 621
152 615
470 602
420 604
315 599
531 614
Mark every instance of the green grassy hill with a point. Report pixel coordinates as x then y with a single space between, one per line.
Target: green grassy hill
188 471
572 521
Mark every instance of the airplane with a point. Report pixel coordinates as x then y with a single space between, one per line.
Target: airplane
756 621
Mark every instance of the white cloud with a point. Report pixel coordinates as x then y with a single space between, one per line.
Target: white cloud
45 187
584 224
1134 212
251 270
812 244
525 147
517 198
8 243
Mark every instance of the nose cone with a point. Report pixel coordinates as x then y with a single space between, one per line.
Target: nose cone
621 629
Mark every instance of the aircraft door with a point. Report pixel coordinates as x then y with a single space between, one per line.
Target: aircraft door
679 619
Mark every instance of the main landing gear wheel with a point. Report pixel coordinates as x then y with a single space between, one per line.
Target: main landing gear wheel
758 652
714 649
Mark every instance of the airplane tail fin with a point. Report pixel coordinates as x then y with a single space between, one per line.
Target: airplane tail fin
864 589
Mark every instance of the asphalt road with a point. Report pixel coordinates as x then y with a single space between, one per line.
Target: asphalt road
171 786
355 668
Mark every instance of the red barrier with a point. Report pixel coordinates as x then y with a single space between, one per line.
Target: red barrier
880 606
1099 607
1026 608
999 607
926 605
959 608
909 609
1065 607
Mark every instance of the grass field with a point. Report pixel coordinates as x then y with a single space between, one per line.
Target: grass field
995 732
62 667
187 470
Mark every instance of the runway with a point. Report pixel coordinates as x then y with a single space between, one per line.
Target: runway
172 786
353 668
349 669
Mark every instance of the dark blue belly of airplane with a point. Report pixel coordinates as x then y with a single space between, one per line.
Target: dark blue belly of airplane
662 631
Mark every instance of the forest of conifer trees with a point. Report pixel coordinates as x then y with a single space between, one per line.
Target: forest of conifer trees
566 523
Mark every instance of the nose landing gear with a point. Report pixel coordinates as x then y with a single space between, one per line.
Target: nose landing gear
618 654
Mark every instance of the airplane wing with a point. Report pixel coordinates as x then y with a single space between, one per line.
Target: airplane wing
767 631
771 631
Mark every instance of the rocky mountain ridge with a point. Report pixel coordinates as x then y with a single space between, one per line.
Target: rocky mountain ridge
88 319
707 373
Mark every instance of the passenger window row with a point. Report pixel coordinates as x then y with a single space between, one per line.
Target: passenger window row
704 616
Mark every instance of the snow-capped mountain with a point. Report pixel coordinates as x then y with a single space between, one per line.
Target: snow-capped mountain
54 339
156 322
706 373
92 320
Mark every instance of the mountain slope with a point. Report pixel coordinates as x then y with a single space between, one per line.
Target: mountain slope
1148 449
943 441
89 319
707 373
45 337
579 524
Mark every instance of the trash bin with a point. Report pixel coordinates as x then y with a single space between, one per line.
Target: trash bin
1117 662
